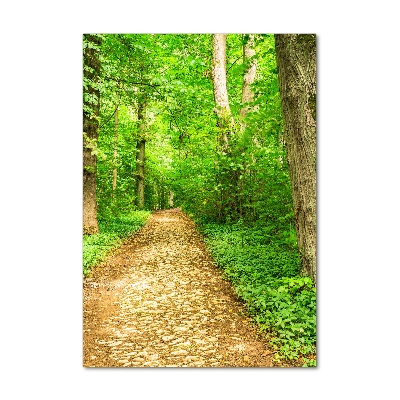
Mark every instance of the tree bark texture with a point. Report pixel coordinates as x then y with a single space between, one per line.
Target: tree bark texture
296 60
91 74
222 110
248 78
114 186
140 155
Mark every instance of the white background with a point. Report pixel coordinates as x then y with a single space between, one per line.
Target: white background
41 181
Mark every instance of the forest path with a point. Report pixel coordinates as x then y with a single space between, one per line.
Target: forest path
159 300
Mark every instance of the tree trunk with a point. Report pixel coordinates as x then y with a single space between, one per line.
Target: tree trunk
114 185
250 73
225 121
222 110
250 63
296 60
91 102
140 154
171 199
162 193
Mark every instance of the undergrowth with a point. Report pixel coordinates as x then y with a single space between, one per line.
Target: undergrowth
113 229
264 272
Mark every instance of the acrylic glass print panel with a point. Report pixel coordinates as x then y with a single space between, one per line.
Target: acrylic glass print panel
199 200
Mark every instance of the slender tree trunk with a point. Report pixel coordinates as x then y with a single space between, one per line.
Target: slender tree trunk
162 193
114 185
225 123
250 73
91 74
296 60
171 199
250 62
222 110
140 154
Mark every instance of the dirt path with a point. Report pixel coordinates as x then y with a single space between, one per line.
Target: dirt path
160 301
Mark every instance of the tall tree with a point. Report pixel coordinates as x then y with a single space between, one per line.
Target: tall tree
140 152
296 61
222 110
91 105
115 172
250 63
225 124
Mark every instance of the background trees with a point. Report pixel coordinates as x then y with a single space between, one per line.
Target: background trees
182 78
222 160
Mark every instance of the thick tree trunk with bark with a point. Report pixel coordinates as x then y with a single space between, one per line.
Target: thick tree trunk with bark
222 110
91 73
250 73
140 154
296 60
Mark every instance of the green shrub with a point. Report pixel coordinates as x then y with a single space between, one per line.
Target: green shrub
265 273
113 229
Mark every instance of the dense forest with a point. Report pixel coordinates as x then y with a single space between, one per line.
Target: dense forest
223 127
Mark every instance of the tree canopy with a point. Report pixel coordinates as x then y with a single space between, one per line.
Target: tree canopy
174 72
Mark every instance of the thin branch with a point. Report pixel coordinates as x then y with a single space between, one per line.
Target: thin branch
129 82
233 64
116 108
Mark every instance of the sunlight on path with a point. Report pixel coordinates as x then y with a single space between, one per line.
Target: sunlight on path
160 301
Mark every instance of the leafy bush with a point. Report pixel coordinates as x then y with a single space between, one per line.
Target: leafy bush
112 230
264 271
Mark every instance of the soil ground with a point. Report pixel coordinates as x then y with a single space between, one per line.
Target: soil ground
160 301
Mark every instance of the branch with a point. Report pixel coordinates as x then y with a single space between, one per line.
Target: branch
129 82
116 108
233 64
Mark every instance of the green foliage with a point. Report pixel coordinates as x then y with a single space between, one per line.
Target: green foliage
265 275
173 71
112 230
